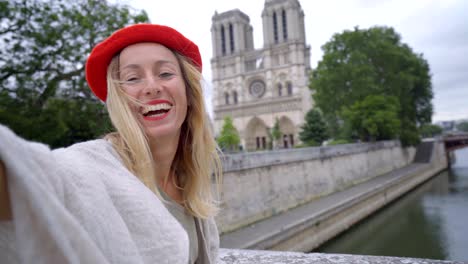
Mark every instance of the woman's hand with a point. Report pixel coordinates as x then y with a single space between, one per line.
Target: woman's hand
5 208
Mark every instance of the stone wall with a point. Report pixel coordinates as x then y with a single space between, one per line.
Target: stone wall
232 256
262 184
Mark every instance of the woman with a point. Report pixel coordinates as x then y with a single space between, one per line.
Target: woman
140 195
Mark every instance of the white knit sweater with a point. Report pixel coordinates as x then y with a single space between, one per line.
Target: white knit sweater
81 205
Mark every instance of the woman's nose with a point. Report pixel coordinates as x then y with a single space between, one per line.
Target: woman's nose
151 85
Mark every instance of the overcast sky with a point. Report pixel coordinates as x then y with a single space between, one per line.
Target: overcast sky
436 28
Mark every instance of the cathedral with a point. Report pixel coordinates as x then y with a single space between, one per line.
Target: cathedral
259 87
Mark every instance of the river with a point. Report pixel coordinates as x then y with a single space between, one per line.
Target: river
429 222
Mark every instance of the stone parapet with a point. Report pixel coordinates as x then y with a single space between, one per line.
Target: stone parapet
250 160
237 256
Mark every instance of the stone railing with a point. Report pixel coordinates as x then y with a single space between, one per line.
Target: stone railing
249 160
236 256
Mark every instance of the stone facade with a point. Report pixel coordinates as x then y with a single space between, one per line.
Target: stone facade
256 87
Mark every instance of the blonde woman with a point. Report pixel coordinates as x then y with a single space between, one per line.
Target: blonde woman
144 193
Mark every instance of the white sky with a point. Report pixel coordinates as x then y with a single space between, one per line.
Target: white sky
436 28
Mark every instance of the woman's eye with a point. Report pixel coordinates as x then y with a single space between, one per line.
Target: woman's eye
165 74
132 79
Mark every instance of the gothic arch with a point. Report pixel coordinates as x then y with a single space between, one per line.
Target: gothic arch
279 89
235 99
223 40
284 21
256 134
231 38
289 88
288 132
275 27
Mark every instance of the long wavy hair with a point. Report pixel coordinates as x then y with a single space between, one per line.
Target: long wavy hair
196 164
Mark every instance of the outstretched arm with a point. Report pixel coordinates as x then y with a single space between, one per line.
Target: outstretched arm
5 209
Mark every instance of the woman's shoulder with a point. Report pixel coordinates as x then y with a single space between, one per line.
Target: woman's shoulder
98 154
15 146
90 146
93 144
97 149
93 166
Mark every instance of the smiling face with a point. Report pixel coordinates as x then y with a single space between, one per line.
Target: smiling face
151 74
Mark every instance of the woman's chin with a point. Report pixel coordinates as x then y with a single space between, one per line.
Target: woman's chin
162 132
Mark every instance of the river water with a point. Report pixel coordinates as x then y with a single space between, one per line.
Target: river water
429 222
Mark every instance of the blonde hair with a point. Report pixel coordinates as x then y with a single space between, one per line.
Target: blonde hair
196 159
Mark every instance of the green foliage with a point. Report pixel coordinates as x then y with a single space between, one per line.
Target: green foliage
374 118
229 137
314 130
430 130
463 126
275 130
338 142
362 62
410 134
44 95
274 135
297 146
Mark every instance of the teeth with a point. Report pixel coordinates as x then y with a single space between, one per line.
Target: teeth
148 108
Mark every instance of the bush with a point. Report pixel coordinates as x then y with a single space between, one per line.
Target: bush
338 142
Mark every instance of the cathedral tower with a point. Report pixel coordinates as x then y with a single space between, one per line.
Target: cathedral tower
258 87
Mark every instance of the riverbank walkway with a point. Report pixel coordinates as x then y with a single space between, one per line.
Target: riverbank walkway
266 233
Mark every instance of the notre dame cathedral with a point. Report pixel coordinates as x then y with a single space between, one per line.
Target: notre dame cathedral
258 87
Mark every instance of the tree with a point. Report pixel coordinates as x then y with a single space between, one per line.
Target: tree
430 130
275 134
44 95
463 126
374 118
362 62
314 130
229 137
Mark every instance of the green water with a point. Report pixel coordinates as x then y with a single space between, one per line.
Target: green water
430 222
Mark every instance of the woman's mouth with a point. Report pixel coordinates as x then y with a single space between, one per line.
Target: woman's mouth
156 111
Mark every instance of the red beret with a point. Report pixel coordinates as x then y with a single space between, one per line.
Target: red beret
102 53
